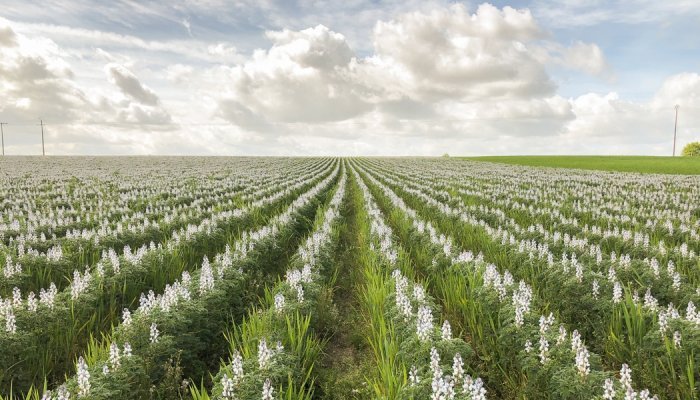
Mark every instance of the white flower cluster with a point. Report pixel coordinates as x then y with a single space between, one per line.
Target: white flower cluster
545 324
617 292
80 283
626 387
521 300
403 302
308 252
442 385
179 290
268 392
279 302
228 391
446 330
11 269
500 283
446 387
424 323
264 354
10 322
581 359
577 245
83 378
206 277
154 333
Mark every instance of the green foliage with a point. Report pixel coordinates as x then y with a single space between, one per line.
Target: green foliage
691 150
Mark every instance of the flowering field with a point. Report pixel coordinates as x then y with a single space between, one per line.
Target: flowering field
647 164
327 278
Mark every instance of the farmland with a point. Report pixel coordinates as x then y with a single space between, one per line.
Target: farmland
330 278
644 164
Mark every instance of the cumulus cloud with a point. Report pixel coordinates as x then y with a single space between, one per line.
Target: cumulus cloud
682 89
129 84
443 78
36 81
587 57
223 50
140 104
579 56
628 127
303 77
139 114
232 110
452 53
7 37
441 65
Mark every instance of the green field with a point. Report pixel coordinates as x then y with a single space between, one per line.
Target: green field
644 164
345 279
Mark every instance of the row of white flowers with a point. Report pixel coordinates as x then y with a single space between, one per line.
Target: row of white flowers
233 376
412 301
196 286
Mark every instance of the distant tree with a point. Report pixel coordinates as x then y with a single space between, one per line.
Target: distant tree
691 150
446 155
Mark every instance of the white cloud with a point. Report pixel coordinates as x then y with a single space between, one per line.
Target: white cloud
129 84
35 81
631 127
179 73
89 39
587 57
303 77
444 68
452 53
682 89
187 25
223 50
7 37
579 56
432 80
144 115
139 105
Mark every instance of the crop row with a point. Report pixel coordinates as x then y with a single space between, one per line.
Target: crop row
178 333
672 371
47 334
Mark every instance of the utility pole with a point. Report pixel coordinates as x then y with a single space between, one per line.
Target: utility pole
2 135
43 152
675 127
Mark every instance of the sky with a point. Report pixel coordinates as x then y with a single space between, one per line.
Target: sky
350 77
